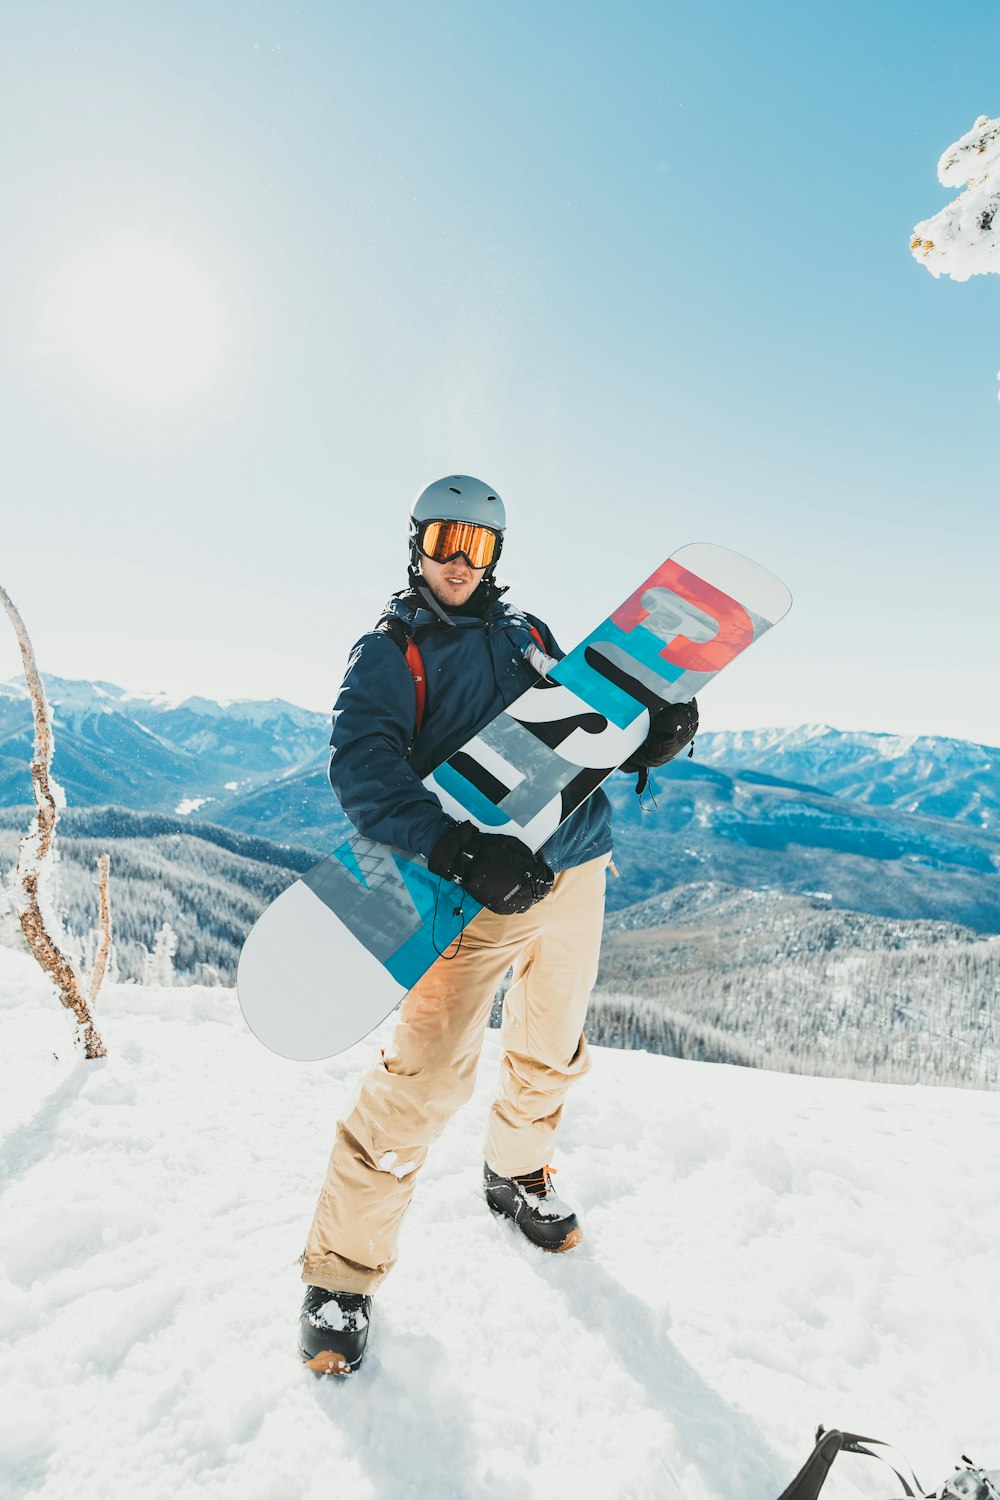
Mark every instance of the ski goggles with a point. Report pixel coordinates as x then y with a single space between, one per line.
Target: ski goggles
443 541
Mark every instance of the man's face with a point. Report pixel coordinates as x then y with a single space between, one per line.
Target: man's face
452 583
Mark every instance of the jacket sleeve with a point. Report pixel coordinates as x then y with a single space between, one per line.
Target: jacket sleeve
373 720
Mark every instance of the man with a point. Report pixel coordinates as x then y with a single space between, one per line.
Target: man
446 657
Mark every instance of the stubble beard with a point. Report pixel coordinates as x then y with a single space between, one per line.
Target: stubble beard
452 596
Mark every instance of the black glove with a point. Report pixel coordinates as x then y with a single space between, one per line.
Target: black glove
673 726
501 872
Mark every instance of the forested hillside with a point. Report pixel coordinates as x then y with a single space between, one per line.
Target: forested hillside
204 884
755 977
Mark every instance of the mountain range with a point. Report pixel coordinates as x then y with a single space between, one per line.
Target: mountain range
901 827
757 832
925 774
152 753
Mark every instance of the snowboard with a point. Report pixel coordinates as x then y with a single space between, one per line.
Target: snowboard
336 951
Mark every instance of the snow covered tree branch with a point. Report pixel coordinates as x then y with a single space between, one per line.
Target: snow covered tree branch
40 927
963 239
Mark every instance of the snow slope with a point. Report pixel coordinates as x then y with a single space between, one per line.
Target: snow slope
763 1252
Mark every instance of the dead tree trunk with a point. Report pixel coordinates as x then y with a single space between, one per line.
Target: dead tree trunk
34 852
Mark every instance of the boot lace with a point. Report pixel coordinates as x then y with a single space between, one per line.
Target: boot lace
537 1183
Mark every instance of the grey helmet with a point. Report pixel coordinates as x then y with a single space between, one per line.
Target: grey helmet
456 497
459 497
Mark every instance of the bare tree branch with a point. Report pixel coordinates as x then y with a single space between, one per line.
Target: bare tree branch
104 924
35 849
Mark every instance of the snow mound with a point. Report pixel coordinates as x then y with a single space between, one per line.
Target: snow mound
762 1253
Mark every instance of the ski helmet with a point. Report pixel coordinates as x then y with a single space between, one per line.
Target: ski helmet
459 497
456 497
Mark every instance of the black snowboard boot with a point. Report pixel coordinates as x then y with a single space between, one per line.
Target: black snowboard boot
333 1327
532 1203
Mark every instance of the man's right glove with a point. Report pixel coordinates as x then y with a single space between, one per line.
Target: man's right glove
672 726
499 871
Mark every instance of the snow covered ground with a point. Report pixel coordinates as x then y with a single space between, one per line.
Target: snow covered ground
763 1253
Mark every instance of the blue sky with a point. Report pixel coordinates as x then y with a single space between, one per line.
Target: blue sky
642 267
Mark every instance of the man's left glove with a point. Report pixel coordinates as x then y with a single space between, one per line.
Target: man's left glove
499 871
673 726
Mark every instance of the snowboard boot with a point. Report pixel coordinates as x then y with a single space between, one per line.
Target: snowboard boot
531 1202
333 1327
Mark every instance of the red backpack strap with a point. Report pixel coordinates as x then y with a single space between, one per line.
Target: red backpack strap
415 662
396 629
411 652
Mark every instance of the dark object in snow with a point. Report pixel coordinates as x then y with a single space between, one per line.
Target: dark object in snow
333 1330
967 1483
531 1201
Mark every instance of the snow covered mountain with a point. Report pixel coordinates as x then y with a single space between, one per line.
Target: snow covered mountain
154 753
899 828
751 830
761 1253
925 774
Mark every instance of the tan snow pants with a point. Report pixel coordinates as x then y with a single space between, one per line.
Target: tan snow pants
430 1069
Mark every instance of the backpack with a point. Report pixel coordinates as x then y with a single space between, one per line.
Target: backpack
397 630
968 1483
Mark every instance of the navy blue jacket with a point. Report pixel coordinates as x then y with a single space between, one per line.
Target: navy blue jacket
475 667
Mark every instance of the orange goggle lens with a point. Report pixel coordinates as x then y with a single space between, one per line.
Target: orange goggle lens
443 540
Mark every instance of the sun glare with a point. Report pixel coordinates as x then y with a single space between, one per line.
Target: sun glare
140 318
